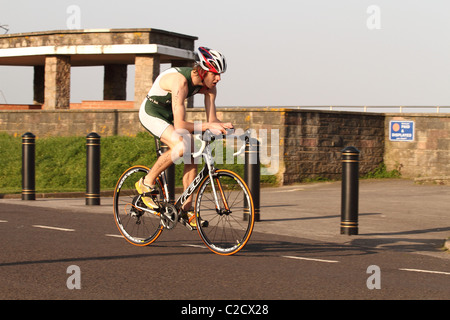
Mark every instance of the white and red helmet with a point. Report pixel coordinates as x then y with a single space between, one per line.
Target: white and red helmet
211 60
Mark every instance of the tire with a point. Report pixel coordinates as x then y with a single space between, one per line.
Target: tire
226 231
139 227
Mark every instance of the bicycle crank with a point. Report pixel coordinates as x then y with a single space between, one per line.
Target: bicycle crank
169 215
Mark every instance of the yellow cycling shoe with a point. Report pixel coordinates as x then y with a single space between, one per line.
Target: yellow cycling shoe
189 216
141 187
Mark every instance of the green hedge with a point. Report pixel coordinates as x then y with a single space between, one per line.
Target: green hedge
61 162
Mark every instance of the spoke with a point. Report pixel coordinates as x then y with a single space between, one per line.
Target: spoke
138 226
227 230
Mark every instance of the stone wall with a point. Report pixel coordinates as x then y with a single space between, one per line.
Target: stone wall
45 123
314 142
308 143
427 157
295 144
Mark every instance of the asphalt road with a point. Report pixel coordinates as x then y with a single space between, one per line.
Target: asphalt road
40 244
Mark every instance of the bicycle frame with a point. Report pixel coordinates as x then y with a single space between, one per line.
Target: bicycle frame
208 169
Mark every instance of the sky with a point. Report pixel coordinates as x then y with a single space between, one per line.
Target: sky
279 53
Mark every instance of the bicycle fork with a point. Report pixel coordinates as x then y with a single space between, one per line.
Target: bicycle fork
213 177
226 209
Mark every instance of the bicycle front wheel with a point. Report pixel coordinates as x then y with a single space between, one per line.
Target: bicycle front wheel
138 224
225 230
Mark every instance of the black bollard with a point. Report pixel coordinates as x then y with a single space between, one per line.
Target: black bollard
252 174
93 169
28 166
350 191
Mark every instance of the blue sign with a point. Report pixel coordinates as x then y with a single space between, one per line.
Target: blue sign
401 130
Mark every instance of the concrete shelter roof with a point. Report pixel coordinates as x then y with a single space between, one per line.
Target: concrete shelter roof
94 46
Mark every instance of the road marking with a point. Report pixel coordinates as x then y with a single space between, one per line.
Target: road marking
290 190
120 236
3 221
310 259
426 271
194 246
114 235
53 228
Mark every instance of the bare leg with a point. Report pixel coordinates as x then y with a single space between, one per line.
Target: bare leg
176 149
190 171
163 162
175 143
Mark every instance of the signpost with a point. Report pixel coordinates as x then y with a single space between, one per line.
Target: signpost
401 130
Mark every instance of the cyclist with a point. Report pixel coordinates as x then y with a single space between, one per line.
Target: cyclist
163 114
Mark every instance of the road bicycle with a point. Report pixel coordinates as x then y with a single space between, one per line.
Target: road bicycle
223 204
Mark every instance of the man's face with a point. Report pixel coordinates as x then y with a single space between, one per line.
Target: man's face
211 79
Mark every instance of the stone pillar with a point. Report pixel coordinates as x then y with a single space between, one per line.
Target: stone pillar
147 68
38 85
189 103
115 82
57 82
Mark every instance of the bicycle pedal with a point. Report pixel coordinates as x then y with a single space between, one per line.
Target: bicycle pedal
187 225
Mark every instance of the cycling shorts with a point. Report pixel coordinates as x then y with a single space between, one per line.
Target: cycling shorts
152 120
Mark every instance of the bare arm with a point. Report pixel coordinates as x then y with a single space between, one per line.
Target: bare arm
210 106
177 85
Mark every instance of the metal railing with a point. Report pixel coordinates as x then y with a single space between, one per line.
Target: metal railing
381 109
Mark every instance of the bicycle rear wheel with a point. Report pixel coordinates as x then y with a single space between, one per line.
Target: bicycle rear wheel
227 231
139 225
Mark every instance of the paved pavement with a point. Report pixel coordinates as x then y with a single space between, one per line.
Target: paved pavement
397 214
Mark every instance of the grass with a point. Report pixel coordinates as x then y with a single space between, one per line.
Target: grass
10 163
381 172
61 162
